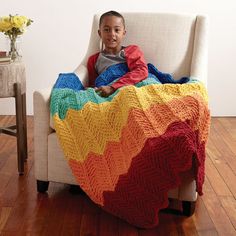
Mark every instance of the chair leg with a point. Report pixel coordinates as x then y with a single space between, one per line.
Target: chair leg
42 186
19 128
188 208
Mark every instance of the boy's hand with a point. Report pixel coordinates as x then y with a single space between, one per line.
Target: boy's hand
105 91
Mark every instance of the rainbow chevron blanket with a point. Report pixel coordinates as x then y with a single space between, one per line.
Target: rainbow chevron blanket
128 150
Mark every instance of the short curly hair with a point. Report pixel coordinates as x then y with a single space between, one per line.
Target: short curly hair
111 13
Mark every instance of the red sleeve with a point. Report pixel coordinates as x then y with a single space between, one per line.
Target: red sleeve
91 69
137 65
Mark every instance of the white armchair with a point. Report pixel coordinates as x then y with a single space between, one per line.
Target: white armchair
174 43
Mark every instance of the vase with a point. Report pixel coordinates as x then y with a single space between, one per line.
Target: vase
13 50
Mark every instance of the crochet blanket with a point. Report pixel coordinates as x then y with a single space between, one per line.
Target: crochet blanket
128 150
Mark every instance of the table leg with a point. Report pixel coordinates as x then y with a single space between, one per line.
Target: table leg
19 128
24 125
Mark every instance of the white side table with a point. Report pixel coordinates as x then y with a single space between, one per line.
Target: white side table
13 84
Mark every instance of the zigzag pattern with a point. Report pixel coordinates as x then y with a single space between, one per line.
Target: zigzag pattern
103 122
127 151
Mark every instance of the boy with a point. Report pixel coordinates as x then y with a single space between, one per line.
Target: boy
112 31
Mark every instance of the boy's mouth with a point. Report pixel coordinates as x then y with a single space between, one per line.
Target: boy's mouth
112 40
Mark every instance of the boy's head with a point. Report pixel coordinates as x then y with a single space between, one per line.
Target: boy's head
112 30
111 13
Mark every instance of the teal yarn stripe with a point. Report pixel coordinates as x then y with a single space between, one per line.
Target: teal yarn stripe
63 99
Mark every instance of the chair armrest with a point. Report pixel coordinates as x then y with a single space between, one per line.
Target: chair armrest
82 72
41 100
200 50
42 126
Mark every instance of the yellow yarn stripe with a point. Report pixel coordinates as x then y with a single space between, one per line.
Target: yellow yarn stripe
82 129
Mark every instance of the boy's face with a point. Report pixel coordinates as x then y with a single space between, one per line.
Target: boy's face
112 31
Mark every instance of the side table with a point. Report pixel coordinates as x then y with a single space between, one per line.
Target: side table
13 84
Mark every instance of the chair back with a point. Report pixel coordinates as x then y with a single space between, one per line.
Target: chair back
174 43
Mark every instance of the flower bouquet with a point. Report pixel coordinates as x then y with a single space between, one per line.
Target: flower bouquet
13 26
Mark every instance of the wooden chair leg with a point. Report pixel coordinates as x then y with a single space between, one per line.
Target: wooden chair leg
24 126
19 128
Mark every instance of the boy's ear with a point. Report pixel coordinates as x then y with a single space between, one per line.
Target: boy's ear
99 33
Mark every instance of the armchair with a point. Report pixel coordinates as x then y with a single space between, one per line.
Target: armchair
175 43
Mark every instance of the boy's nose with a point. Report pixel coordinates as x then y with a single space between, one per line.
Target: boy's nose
112 32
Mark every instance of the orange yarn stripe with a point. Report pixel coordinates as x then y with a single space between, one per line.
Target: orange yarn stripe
133 138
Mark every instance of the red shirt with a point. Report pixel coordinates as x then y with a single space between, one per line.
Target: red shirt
137 65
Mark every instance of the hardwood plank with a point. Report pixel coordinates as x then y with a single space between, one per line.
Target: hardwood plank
7 120
90 218
201 218
228 176
167 224
218 184
35 221
9 162
217 213
25 212
55 214
186 226
233 134
31 214
73 215
108 224
4 214
7 147
148 232
225 171
226 153
125 229
20 211
225 134
208 232
16 185
229 204
213 152
5 233
226 122
229 126
231 120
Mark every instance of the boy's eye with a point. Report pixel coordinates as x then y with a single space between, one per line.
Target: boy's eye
107 30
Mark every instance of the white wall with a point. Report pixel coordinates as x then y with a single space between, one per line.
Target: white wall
57 41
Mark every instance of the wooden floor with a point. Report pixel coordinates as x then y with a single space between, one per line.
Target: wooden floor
59 212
